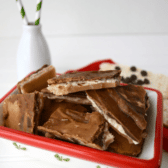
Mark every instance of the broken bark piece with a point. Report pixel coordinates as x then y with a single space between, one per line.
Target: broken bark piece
77 97
37 80
81 81
121 115
122 146
22 111
89 129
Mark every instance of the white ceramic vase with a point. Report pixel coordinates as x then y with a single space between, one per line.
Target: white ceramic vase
33 51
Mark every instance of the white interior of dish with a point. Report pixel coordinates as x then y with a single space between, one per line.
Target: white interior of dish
148 147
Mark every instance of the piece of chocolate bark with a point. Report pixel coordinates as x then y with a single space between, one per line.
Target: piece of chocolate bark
123 115
22 111
89 129
51 105
81 81
37 80
122 146
77 97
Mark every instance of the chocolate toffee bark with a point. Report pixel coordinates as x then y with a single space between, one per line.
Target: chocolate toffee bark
120 113
22 111
77 97
1 119
133 101
138 98
51 105
89 129
80 81
37 80
122 146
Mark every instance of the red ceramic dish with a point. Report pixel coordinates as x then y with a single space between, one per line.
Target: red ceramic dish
86 153
165 138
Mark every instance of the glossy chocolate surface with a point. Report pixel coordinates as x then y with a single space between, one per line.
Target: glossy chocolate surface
22 111
114 104
75 125
84 76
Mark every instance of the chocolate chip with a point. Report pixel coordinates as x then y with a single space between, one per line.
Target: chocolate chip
146 81
133 68
139 82
133 77
117 68
143 73
122 79
127 80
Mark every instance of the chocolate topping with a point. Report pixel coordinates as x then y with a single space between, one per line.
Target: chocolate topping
136 96
112 106
127 108
51 105
84 76
81 81
22 111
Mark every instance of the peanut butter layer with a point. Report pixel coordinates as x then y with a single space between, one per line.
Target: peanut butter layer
122 146
77 97
119 115
81 81
22 111
89 129
37 80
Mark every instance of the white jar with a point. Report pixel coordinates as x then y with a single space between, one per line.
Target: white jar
33 51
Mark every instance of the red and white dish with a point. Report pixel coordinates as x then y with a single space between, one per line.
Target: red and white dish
69 155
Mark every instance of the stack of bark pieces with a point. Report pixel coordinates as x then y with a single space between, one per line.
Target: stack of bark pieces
88 108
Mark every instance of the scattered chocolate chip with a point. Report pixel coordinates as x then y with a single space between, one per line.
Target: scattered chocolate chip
117 68
139 82
133 77
133 68
122 78
127 80
146 81
143 73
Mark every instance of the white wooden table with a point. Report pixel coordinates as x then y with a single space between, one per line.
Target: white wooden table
149 52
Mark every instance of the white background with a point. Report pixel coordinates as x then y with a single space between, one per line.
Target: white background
81 31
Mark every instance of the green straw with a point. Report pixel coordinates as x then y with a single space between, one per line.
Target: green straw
22 11
38 12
